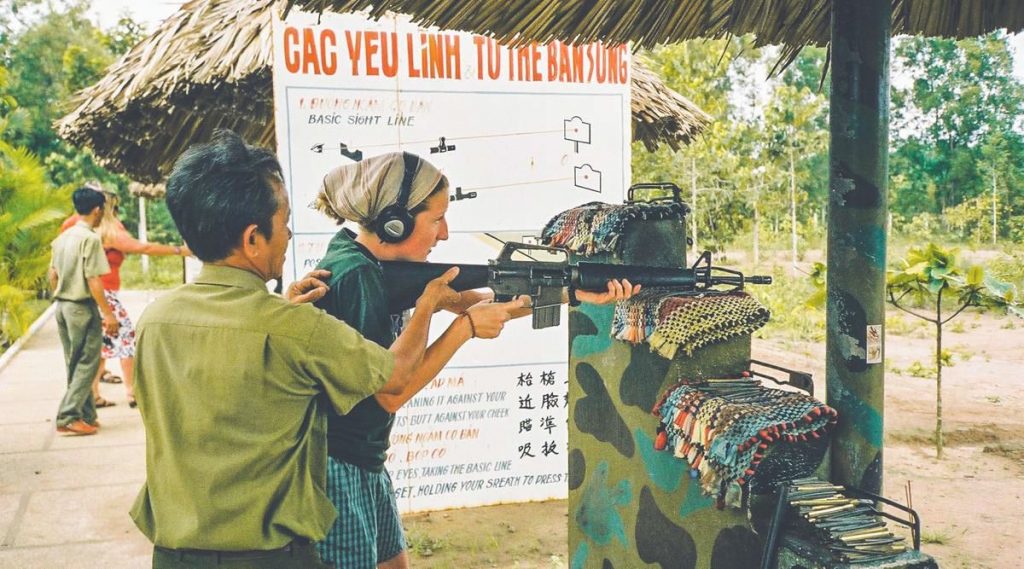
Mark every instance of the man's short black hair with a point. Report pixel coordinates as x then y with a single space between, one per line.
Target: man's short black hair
87 199
219 188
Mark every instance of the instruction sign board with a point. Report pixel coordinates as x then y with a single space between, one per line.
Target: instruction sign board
522 134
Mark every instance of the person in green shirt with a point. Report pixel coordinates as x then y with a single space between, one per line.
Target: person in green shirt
76 264
399 202
233 382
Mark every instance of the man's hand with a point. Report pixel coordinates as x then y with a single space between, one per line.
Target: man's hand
437 293
488 318
110 324
617 290
309 288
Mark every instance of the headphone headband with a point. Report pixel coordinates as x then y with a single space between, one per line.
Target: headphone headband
412 165
395 223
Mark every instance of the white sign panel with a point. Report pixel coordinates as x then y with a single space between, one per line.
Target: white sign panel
522 134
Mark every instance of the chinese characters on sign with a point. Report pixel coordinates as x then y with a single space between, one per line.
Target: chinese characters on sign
540 440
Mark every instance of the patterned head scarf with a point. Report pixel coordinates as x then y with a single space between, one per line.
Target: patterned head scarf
360 191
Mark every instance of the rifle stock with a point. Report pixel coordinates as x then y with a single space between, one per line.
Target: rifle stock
405 280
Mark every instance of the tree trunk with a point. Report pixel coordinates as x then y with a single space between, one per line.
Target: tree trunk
938 377
757 245
993 206
693 205
143 226
792 208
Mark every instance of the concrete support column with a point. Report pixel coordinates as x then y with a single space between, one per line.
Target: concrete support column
858 164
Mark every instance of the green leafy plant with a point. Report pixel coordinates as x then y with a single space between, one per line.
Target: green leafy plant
930 277
30 211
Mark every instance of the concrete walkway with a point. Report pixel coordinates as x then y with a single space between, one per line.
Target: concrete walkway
64 501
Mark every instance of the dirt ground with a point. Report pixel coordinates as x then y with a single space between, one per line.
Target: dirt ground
971 502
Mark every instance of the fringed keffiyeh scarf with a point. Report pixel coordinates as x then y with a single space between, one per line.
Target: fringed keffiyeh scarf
595 227
670 321
723 427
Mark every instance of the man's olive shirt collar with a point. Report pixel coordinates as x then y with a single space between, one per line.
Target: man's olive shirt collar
226 275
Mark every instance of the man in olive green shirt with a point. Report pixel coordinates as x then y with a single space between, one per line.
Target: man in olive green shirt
233 382
76 264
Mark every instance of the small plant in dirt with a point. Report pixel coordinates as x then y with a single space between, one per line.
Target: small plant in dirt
424 545
957 328
963 352
917 369
935 537
929 278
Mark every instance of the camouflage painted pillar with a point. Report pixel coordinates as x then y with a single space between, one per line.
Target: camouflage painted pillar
629 505
859 112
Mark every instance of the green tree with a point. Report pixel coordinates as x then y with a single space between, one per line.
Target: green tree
793 123
962 98
704 72
30 212
930 276
51 51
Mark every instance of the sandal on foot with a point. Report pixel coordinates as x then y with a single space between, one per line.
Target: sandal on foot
101 402
108 377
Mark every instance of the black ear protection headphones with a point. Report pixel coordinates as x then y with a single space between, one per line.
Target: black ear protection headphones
395 223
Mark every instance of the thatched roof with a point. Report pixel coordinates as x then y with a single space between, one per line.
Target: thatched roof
791 23
208 67
148 191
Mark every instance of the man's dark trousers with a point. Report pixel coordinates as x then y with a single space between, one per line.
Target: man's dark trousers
81 334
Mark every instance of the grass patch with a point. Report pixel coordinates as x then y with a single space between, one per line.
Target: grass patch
424 545
164 272
935 537
790 299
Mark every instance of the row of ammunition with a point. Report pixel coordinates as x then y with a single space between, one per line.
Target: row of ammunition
850 528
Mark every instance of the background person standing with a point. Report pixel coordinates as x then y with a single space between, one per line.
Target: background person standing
76 263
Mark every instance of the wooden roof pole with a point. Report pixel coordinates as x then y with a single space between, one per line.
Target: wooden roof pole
858 168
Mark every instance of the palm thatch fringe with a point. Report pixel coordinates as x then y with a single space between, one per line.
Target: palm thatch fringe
791 23
148 191
208 66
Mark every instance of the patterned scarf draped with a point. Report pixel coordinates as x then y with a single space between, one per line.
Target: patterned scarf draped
670 321
723 427
595 227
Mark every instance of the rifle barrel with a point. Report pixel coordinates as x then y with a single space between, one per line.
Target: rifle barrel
595 276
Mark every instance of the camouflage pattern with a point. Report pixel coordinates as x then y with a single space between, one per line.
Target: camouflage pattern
859 110
631 506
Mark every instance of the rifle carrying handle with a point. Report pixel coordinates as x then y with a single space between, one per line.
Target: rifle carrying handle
677 194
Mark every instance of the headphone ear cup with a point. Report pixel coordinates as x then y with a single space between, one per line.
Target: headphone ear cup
394 224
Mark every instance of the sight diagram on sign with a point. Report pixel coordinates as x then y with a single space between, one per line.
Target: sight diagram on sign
459 196
442 147
577 131
587 177
343 149
574 130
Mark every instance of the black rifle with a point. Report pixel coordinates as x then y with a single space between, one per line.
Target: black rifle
543 281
